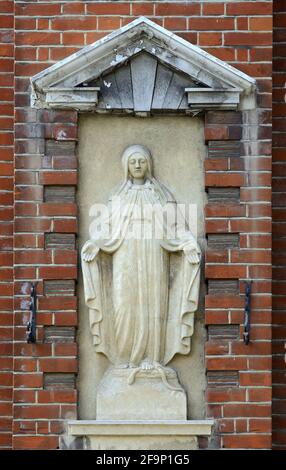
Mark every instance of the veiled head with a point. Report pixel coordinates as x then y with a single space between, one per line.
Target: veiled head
137 161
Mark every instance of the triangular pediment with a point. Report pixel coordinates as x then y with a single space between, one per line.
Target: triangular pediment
141 67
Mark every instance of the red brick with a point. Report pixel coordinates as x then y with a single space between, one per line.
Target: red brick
217 395
103 8
144 9
28 380
65 226
36 442
216 133
226 425
25 23
226 363
66 319
211 24
29 224
210 39
51 209
108 23
247 39
249 8
224 301
57 396
213 9
33 257
260 394
34 9
216 226
216 256
225 272
6 7
24 396
214 348
57 303
255 379
261 24
226 180
37 38
175 24
58 272
260 425
59 53
74 23
58 365
248 441
177 9
25 365
241 410
58 178
73 38
74 8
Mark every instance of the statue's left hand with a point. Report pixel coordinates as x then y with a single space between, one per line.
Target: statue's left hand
192 255
89 251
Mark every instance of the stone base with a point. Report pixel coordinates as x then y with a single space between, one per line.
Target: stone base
140 435
127 394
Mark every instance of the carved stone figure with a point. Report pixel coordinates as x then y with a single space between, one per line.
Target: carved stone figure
130 319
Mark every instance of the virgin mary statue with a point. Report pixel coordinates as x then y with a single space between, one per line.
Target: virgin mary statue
130 317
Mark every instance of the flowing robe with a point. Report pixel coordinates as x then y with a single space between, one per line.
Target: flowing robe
136 324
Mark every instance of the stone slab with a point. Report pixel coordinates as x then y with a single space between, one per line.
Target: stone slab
149 396
140 435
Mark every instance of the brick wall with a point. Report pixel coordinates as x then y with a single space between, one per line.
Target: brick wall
279 227
238 227
6 219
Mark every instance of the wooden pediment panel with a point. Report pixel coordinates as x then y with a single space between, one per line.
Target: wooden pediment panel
141 68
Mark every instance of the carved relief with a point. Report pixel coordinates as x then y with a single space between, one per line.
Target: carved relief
139 333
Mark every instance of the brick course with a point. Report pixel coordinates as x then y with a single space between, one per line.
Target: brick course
278 246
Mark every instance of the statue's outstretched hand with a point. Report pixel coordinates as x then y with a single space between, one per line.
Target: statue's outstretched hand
192 255
89 251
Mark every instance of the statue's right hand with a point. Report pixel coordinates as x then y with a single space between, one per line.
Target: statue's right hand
89 251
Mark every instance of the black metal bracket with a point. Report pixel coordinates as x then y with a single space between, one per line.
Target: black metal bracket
246 325
31 326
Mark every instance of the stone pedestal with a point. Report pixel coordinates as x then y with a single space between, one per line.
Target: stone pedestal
140 435
130 394
140 410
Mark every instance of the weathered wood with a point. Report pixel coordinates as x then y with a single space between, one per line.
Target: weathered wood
115 49
124 85
209 98
163 78
109 95
175 92
143 73
81 98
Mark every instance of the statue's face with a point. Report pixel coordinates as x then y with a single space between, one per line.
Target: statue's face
137 166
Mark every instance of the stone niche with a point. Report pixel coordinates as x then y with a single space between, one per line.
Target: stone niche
143 85
178 149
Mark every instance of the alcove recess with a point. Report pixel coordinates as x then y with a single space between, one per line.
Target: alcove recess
144 70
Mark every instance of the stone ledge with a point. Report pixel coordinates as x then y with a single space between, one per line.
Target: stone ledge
140 427
139 435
